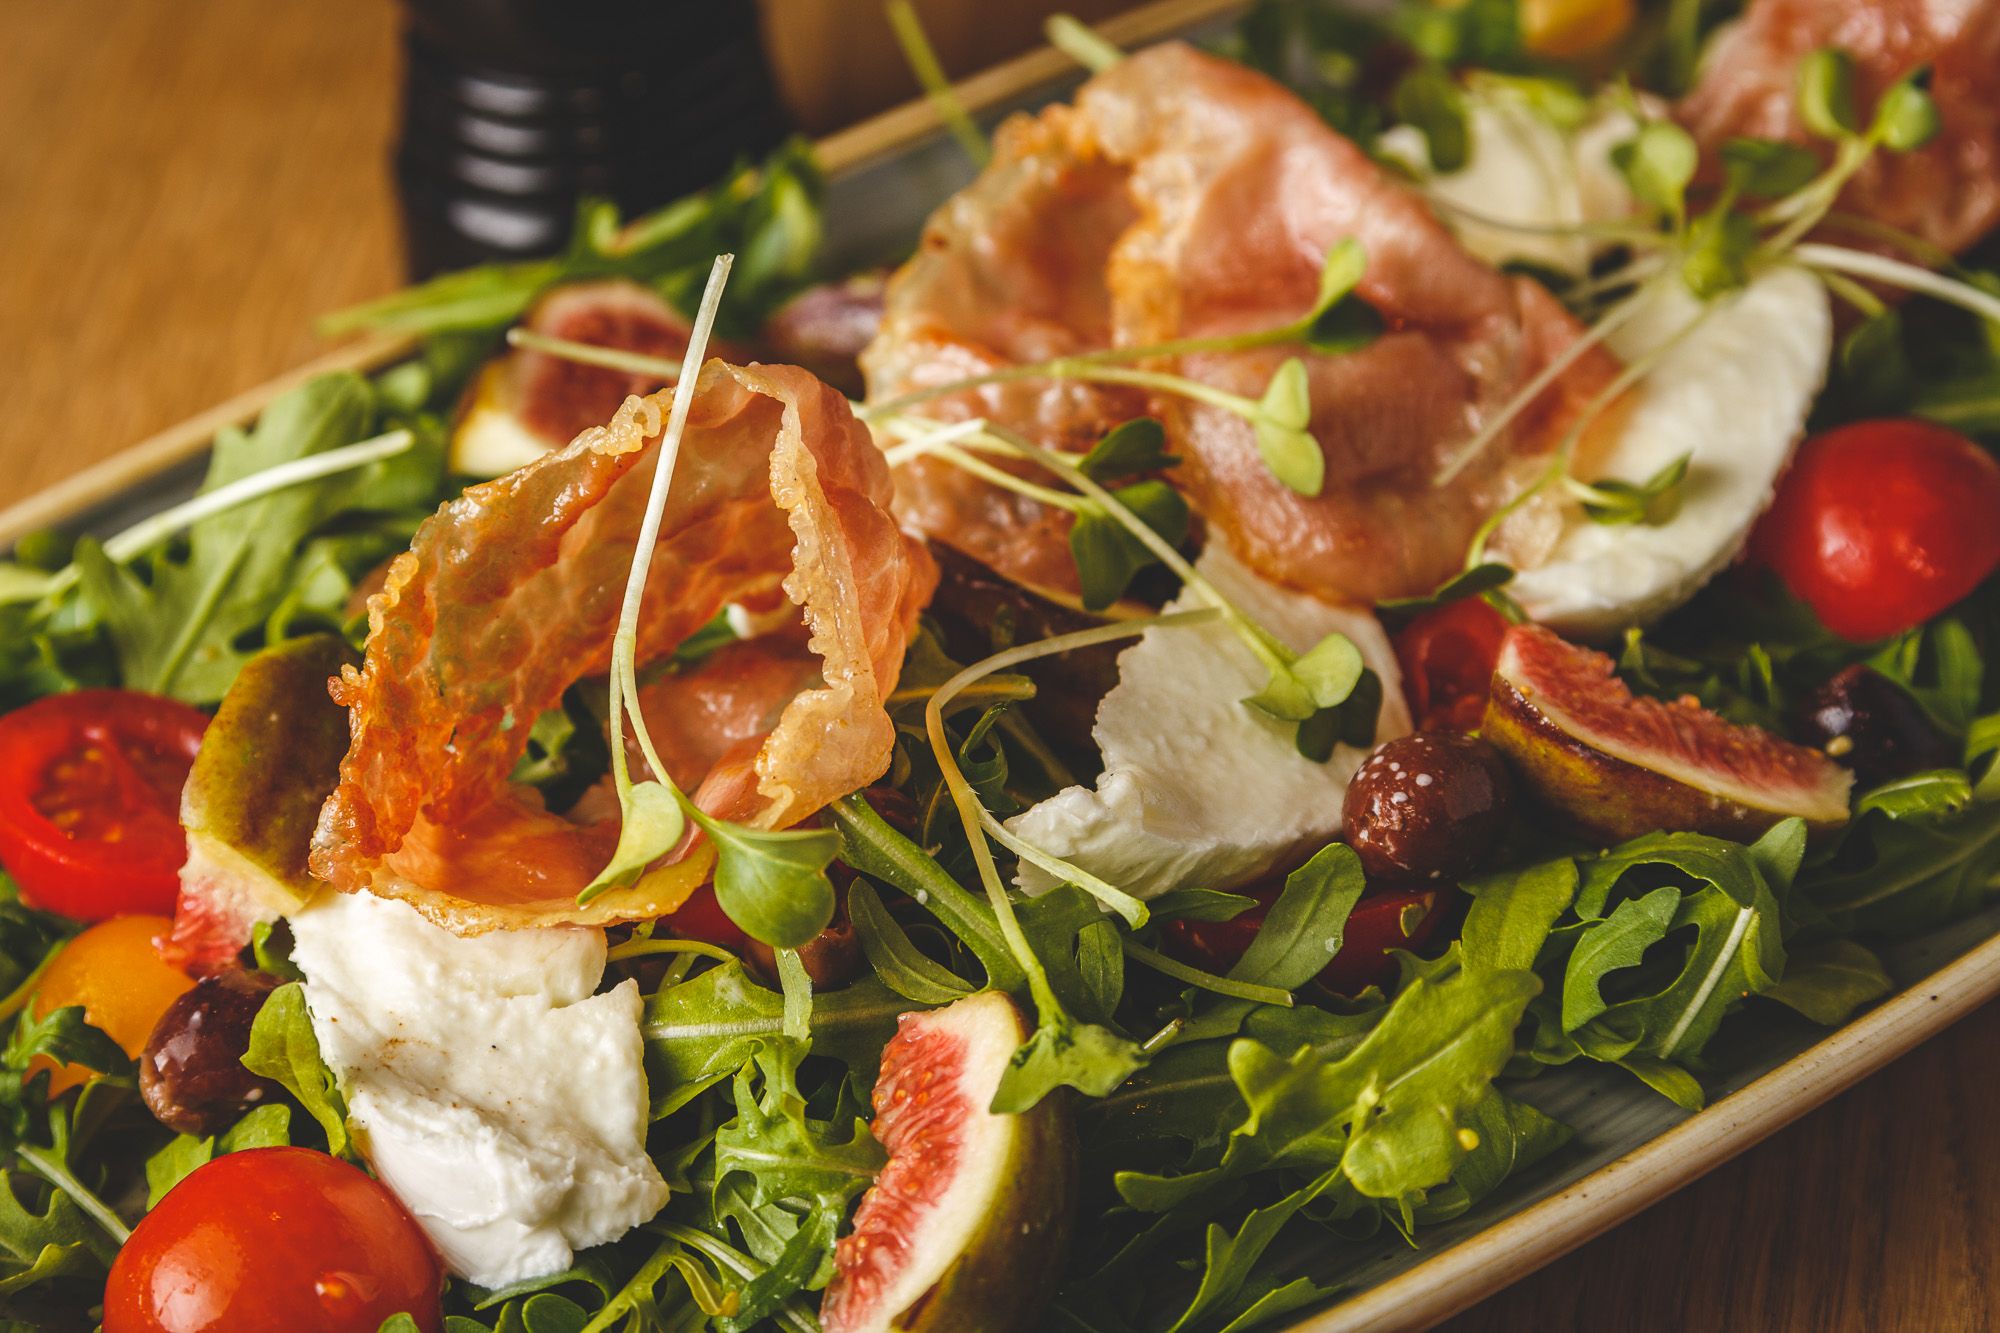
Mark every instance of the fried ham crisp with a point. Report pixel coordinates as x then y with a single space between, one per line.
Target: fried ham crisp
511 593
1946 193
1186 196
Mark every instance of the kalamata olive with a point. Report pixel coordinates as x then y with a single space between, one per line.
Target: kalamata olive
191 1072
1867 722
1426 806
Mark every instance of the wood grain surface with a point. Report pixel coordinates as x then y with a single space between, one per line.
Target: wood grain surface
184 186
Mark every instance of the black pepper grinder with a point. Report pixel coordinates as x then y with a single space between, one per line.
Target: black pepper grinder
513 110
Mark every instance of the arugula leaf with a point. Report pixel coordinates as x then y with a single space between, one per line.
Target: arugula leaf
1828 980
1092 1059
1107 555
181 630
767 215
1305 925
701 1031
1513 912
1230 1258
902 966
1509 1136
1619 941
261 1127
786 1154
57 1241
870 845
284 1050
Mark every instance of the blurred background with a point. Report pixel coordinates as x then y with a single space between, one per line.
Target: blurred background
185 187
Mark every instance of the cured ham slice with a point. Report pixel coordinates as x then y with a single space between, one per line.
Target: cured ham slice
1186 196
1947 193
511 593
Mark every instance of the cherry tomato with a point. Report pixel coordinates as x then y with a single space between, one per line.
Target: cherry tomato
1882 524
1568 29
1375 926
114 970
1447 656
274 1240
701 917
90 790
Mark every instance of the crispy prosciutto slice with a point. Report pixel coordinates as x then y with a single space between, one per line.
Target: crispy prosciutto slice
511 592
1947 193
1186 196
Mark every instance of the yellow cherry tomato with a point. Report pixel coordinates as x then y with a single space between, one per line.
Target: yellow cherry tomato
1568 29
116 973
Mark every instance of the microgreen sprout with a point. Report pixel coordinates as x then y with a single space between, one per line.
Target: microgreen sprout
772 884
665 370
149 532
1081 43
1336 322
923 62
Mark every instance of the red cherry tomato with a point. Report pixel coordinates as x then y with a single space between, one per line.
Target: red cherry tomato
90 793
1447 657
274 1240
1881 525
1375 926
701 918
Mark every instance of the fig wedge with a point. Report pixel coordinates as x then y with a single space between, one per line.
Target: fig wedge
967 1224
266 764
1618 766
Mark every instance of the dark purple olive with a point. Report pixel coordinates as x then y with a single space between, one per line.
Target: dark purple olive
191 1072
1426 807
1864 720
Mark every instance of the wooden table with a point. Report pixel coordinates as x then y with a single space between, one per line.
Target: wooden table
183 187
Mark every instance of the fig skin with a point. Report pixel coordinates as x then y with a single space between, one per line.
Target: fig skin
1614 799
1001 1280
191 1073
1004 1279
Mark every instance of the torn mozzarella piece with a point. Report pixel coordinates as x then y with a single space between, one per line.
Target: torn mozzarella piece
502 1101
1733 396
1198 789
1521 169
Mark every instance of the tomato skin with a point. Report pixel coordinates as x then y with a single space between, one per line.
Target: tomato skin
1373 928
1447 656
701 918
110 764
274 1240
115 971
1880 525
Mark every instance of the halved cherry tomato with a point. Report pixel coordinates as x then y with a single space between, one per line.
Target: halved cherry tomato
274 1240
1880 525
90 789
114 970
701 917
1375 926
1447 657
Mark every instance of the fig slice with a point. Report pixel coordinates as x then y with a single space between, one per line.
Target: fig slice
267 762
1618 766
967 1224
525 403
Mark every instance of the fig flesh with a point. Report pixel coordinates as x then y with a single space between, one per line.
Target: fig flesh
266 765
1618 766
967 1224
525 403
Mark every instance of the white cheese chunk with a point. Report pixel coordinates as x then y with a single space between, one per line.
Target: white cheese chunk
1733 396
501 1100
1197 789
